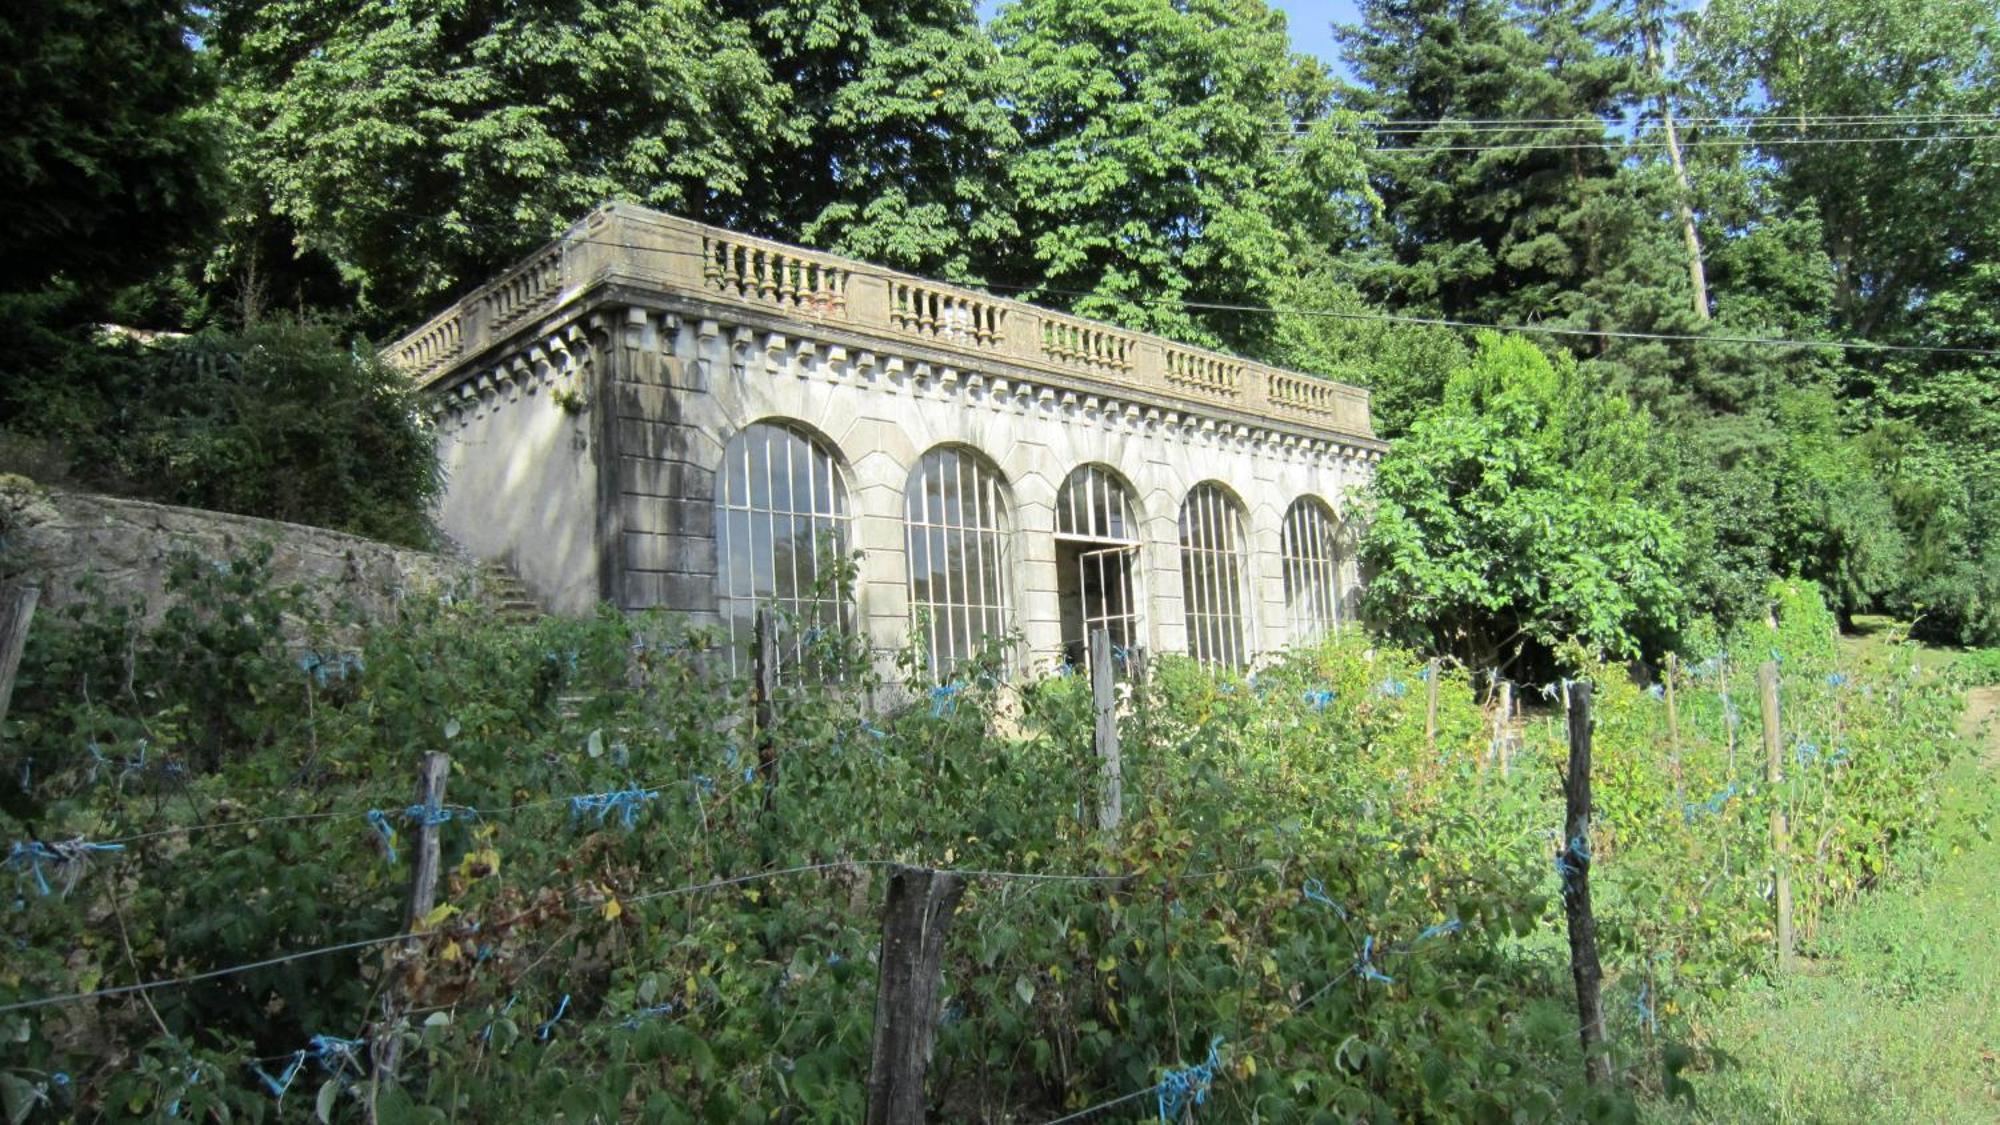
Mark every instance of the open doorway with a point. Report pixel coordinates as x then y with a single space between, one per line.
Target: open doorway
1097 562
1095 589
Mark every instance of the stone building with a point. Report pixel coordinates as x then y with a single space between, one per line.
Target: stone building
652 412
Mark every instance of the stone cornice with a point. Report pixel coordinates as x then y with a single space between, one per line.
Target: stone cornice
993 348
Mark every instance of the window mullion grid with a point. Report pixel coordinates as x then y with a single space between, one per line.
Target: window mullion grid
1239 581
1217 640
977 524
1219 627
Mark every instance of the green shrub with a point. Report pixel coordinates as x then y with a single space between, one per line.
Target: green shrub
1368 918
284 420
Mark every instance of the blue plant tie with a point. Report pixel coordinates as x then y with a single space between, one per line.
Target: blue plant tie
174 1107
1319 698
27 857
1711 806
1804 752
279 1085
1365 964
944 699
335 1054
434 815
486 1036
1392 688
642 1015
1657 691
1579 848
379 820
1835 679
1181 1089
1549 691
1645 1010
1448 926
543 1031
1424 673
1315 891
625 802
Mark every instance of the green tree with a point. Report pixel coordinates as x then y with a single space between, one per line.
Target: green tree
1512 517
1159 162
1904 214
109 161
896 139
419 147
1479 218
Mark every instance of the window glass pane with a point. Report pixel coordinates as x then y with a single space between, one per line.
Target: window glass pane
1312 569
957 531
781 502
1212 572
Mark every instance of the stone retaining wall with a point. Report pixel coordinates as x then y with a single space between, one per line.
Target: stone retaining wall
53 537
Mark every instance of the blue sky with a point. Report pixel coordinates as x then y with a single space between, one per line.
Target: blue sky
1311 22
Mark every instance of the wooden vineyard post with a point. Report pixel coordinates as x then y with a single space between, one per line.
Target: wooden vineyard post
1111 793
1674 732
424 869
17 610
915 916
1502 716
763 687
1573 862
1774 776
1431 706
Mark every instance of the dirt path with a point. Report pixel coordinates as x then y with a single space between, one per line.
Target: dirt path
1981 722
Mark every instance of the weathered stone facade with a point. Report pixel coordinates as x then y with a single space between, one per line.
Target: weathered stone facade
54 538
594 401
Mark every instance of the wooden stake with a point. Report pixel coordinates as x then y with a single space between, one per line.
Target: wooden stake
1111 795
424 867
17 610
1431 707
1574 862
763 688
1774 776
1674 732
915 916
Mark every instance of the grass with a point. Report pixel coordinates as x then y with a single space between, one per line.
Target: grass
1876 641
1893 1014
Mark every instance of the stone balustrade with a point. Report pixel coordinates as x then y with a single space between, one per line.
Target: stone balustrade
628 246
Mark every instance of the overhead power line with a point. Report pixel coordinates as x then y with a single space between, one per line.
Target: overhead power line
1395 318
1615 143
1775 120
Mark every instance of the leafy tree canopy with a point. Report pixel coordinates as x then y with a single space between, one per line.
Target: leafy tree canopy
1158 164
1509 519
108 159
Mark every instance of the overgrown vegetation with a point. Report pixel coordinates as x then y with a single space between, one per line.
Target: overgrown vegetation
1824 408
1360 924
284 420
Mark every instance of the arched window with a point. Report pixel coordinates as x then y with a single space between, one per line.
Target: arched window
955 516
1315 559
1097 551
781 517
1212 571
